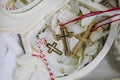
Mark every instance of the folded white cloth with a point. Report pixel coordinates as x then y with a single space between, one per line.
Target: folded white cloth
9 50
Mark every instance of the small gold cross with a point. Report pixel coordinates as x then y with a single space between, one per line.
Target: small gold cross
52 47
64 36
83 40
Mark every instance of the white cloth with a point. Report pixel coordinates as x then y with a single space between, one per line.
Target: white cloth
9 50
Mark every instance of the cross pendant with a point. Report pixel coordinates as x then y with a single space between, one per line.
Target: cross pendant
52 47
64 36
83 40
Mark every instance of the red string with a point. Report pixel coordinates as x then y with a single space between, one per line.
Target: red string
107 19
9 8
96 27
89 15
43 57
104 24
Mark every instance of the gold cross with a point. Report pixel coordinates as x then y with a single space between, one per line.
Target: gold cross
83 40
64 36
53 48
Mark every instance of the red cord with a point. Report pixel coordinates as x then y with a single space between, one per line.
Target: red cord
106 19
104 24
96 24
89 15
9 8
43 57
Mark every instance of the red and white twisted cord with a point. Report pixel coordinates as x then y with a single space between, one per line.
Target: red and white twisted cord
42 56
9 8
